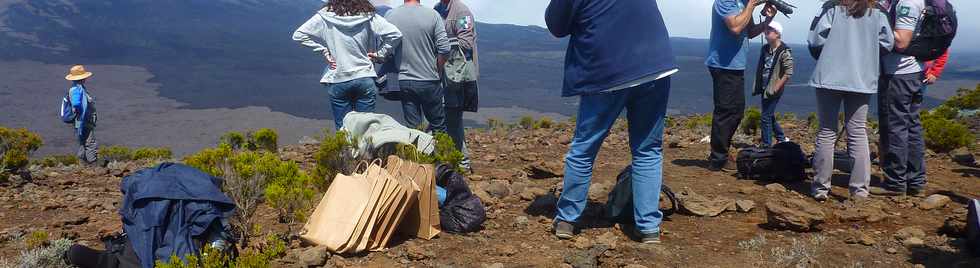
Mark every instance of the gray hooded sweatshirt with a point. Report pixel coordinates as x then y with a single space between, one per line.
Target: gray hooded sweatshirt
849 48
347 40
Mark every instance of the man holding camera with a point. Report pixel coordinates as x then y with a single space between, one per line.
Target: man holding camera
731 26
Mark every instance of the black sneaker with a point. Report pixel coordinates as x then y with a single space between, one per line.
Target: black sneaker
653 238
564 230
917 192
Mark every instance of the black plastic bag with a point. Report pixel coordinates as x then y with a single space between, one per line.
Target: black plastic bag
463 211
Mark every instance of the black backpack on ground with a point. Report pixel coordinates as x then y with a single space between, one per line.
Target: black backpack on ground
619 206
784 162
935 32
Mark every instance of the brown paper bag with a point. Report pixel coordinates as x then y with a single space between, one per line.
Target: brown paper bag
384 188
405 197
422 219
333 222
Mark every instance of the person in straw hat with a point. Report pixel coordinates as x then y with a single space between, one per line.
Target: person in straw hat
84 106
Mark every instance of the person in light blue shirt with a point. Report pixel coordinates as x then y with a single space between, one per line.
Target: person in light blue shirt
731 25
611 69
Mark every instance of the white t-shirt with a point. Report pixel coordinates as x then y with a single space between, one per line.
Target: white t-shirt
907 15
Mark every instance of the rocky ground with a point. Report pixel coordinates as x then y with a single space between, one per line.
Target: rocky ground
724 222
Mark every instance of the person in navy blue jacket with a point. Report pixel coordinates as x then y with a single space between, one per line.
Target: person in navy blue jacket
611 68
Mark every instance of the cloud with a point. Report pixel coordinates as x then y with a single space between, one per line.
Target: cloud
691 18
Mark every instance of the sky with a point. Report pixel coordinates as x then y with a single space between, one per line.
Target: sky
690 18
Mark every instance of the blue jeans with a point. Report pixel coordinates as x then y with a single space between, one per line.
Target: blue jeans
769 123
423 98
355 95
646 109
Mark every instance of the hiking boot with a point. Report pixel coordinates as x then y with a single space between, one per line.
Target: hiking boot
917 192
653 238
564 229
729 167
884 192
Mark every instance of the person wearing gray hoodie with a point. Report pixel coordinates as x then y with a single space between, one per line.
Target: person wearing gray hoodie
848 66
346 34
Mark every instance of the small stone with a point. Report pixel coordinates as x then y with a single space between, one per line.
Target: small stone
316 256
582 242
794 214
745 206
507 250
498 188
934 201
694 204
775 187
963 156
910 232
891 251
747 190
520 221
914 242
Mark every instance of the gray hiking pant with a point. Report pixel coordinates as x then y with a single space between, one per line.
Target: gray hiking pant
88 150
856 124
902 144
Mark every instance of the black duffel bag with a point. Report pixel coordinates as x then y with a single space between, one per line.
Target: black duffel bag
619 206
783 162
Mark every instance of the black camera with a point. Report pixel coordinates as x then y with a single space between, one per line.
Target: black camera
782 6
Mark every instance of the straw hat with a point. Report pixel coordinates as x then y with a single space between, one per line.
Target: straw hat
78 72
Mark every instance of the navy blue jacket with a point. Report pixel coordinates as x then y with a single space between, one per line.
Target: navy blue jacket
612 42
164 208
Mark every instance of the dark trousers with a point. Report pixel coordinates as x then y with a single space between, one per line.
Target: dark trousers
423 98
729 97
901 138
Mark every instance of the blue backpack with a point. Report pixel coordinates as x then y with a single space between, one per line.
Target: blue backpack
68 114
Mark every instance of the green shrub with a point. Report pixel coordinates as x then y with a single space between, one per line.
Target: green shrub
261 257
116 153
290 191
965 99
696 122
16 147
36 240
159 153
335 155
49 256
813 122
57 160
445 153
544 122
265 139
526 122
944 135
210 160
786 116
495 123
751 121
251 177
945 111
234 139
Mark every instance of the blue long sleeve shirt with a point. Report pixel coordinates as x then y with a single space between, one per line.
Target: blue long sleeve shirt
78 97
611 43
